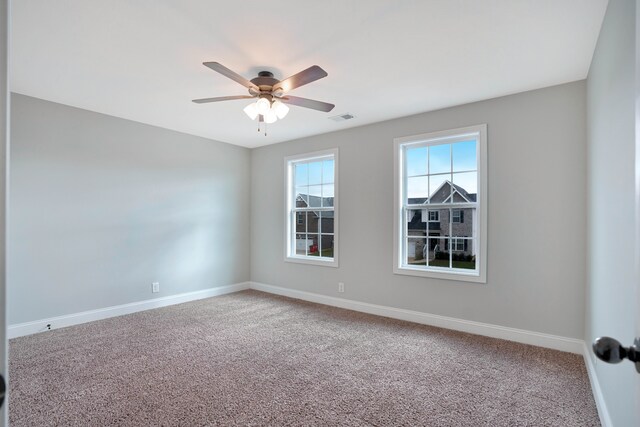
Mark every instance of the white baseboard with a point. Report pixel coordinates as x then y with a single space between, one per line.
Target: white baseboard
555 342
36 326
603 412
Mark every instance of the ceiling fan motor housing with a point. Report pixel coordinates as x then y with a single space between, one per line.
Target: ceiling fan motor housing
265 81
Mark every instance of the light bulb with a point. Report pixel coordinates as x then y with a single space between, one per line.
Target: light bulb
263 105
251 111
280 108
270 117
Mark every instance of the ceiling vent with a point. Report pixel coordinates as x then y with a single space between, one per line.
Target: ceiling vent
342 117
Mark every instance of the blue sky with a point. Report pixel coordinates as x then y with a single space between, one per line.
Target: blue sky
447 159
315 178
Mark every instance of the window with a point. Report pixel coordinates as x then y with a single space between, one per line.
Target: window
458 245
312 208
442 175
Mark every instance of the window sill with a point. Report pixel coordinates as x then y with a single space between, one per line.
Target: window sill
457 275
312 261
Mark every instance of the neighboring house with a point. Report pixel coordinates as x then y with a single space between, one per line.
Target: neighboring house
437 226
314 229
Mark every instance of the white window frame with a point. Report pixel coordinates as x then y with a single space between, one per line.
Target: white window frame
453 216
290 221
437 212
479 275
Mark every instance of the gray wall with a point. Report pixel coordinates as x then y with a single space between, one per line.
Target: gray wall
536 255
101 207
611 298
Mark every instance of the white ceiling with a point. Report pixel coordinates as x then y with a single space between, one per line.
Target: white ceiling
142 59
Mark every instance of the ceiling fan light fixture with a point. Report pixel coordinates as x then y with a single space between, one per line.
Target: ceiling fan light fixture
263 106
280 109
270 117
251 110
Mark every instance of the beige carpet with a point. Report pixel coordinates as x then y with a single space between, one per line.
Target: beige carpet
255 359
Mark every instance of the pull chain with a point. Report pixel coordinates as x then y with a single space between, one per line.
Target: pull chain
265 127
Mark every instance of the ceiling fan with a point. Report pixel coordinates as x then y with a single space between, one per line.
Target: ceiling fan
271 92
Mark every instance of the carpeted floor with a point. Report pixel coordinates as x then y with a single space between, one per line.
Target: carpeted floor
256 359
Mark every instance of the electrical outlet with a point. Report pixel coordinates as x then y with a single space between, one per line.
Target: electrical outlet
155 287
340 287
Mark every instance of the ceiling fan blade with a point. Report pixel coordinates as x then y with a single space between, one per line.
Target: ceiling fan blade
304 77
216 66
308 103
221 98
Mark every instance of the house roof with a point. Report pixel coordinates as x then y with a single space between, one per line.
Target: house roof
471 197
314 201
463 195
417 200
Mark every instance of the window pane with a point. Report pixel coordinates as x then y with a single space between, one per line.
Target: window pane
315 196
313 222
466 186
327 195
313 245
301 222
463 223
462 241
301 174
440 158
445 221
326 222
463 253
416 251
301 244
417 190
315 173
416 159
326 245
438 257
416 222
440 189
327 171
302 197
464 156
435 221
469 263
